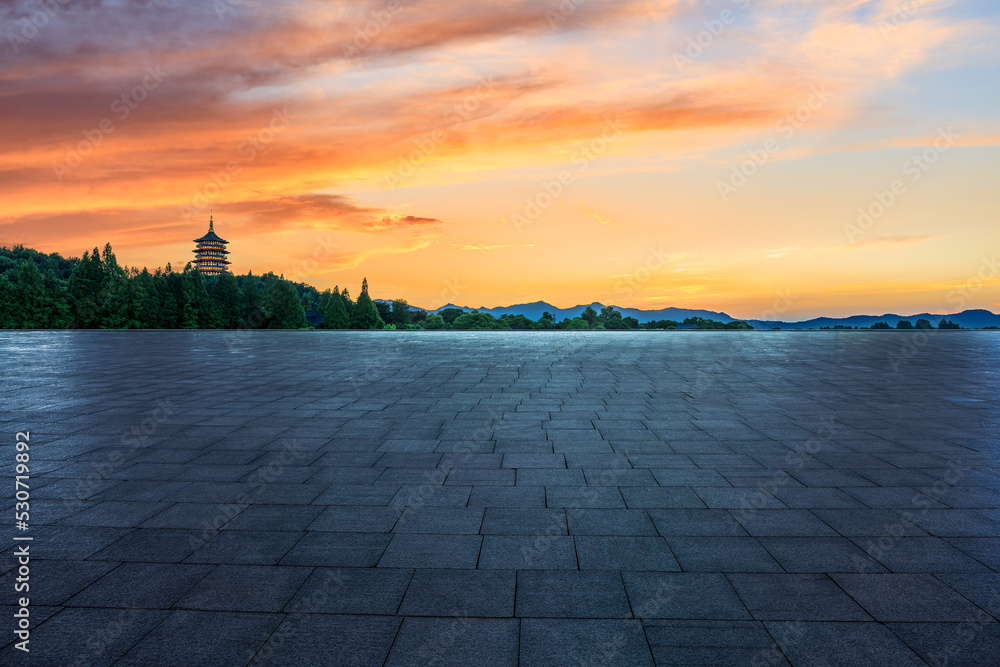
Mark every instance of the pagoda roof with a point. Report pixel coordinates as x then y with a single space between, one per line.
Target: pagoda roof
211 235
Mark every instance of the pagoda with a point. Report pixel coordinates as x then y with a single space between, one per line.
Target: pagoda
210 253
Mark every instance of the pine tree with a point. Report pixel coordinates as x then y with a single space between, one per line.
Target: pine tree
334 314
228 301
365 315
283 306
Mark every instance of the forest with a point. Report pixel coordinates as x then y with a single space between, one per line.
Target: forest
47 291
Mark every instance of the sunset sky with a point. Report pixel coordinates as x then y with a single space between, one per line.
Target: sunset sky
645 153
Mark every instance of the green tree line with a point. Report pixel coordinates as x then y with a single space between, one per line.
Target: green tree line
47 291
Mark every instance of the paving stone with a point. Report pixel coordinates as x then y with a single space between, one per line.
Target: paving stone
560 594
795 597
624 553
432 551
696 523
906 597
683 595
709 643
463 593
841 644
520 521
583 641
142 586
609 522
456 641
528 552
258 547
351 590
338 549
245 588
357 519
721 554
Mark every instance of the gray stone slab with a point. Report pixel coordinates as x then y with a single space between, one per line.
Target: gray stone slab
463 593
583 641
556 594
456 641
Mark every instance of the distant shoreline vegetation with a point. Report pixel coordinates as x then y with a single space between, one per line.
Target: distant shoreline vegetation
47 291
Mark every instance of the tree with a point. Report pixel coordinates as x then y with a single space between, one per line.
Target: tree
904 324
30 298
589 315
401 312
881 325
945 324
478 322
365 315
451 314
228 301
283 307
575 324
434 322
334 313
924 324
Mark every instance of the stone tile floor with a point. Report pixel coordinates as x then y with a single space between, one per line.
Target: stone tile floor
507 498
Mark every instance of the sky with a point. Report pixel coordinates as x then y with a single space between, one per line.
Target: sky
774 160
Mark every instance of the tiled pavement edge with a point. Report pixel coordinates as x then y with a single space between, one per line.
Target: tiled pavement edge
508 498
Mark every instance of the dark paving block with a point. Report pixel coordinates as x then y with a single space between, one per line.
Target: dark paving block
274 517
683 595
957 523
983 590
357 519
189 636
710 643
840 644
583 497
245 588
696 523
550 477
748 499
782 523
906 597
115 513
86 636
195 516
661 497
524 460
973 642
817 498
456 641
501 496
152 545
819 554
619 477
519 521
721 554
624 553
432 551
484 477
919 554
560 594
338 549
249 547
528 552
357 494
432 496
609 522
142 585
583 642
869 523
440 520
795 597
469 593
351 590
52 583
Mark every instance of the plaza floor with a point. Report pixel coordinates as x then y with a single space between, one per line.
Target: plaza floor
525 498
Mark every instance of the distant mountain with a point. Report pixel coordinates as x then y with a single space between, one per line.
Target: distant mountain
968 319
